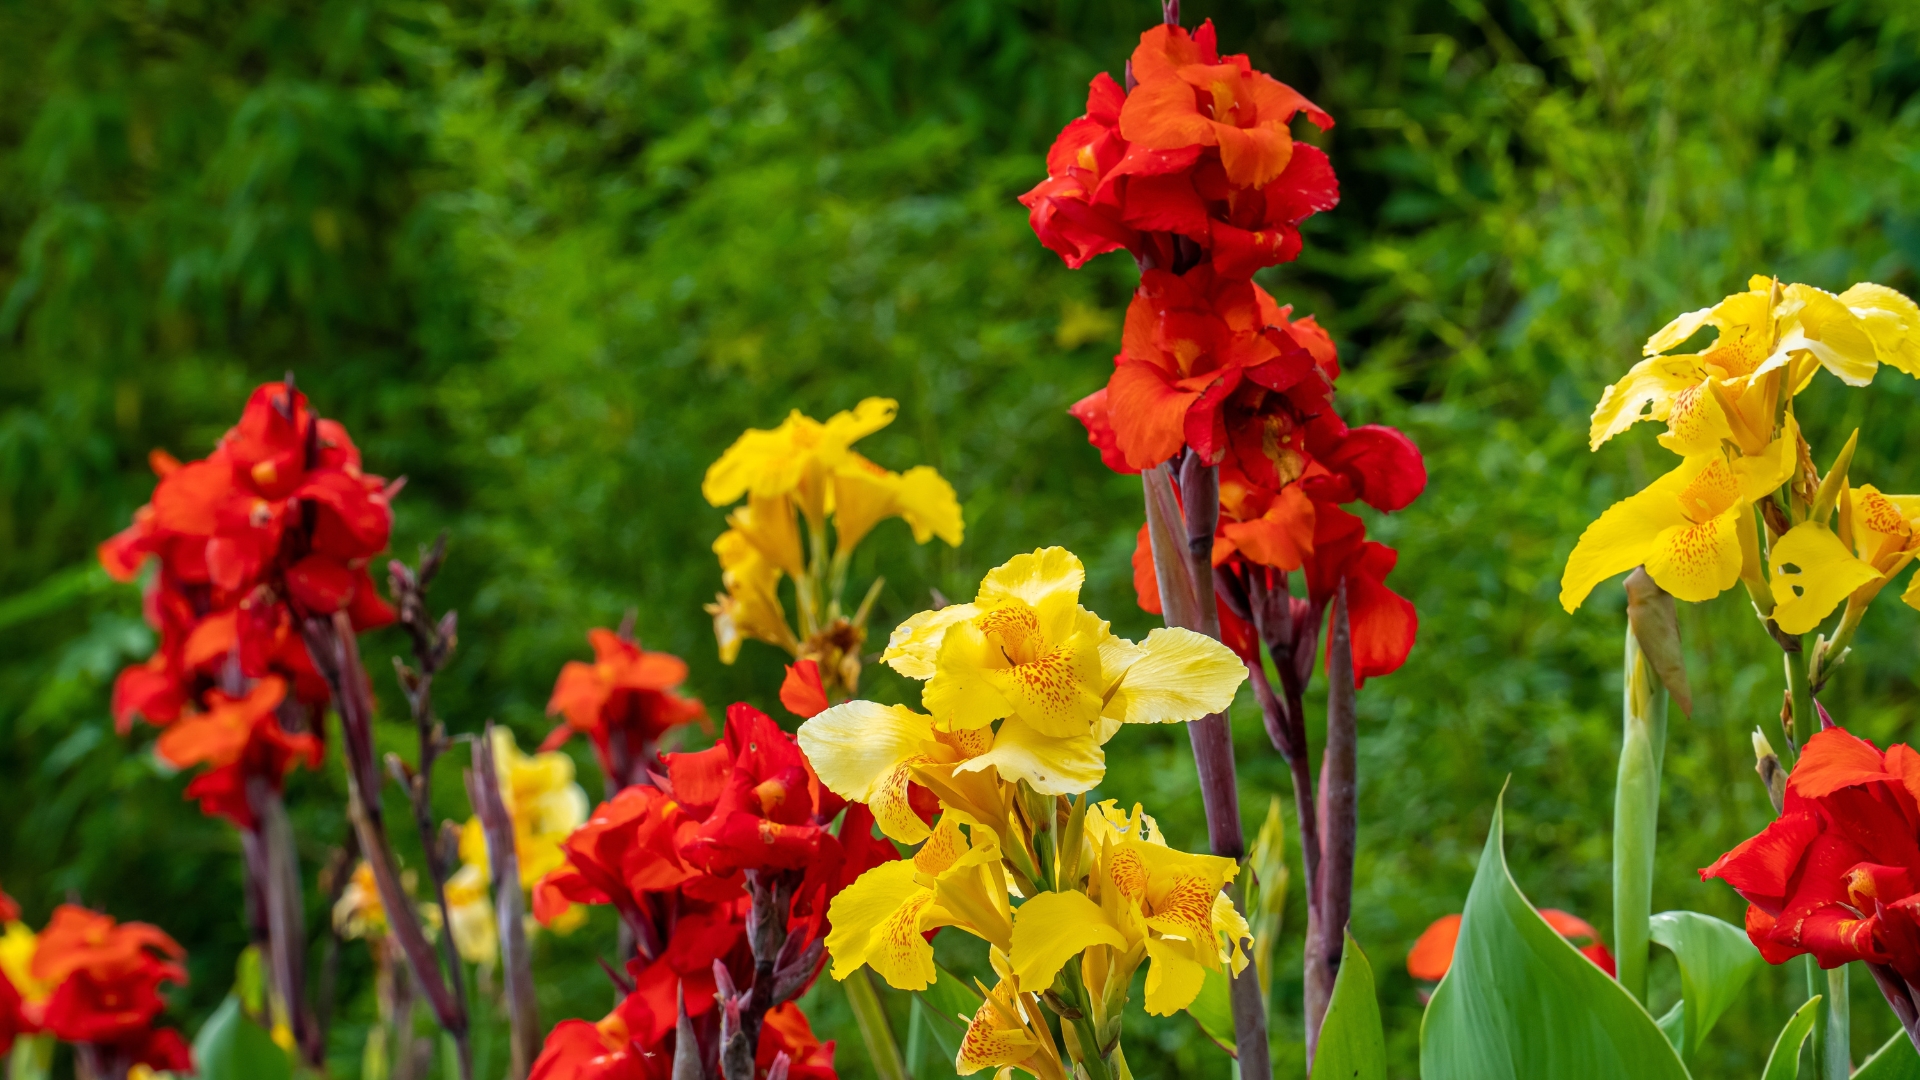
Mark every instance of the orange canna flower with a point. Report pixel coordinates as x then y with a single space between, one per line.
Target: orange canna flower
1432 953
624 702
1189 96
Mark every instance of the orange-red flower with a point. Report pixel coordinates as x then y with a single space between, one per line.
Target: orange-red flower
624 702
106 978
1837 874
1196 165
786 1031
278 523
1432 953
237 738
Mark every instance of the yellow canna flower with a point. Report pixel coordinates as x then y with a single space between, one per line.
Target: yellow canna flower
1728 391
808 469
1144 900
359 912
1685 527
1008 1032
881 919
470 911
1025 653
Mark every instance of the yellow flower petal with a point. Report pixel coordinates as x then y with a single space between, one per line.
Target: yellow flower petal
1891 320
1174 977
1049 766
961 693
865 752
1695 421
1228 922
994 1039
1623 537
1828 329
1761 474
930 508
1812 573
1057 691
1178 676
767 523
1697 562
914 647
1678 331
1053 928
878 921
1034 576
1647 392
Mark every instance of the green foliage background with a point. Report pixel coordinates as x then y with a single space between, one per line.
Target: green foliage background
548 257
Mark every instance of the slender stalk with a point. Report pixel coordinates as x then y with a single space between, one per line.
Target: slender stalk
1636 815
523 1014
286 921
1182 542
875 1032
336 654
1839 1010
1092 1060
1339 824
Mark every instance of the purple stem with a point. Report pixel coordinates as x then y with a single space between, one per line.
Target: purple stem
483 790
1182 545
1339 816
336 654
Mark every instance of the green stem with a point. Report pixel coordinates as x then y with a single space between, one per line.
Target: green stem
1800 691
1839 1010
1816 986
875 1032
1092 1059
1636 815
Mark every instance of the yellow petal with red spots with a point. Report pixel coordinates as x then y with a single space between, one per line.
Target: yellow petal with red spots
1053 928
879 921
865 752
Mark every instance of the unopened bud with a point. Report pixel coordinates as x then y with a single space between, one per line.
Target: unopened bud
1767 764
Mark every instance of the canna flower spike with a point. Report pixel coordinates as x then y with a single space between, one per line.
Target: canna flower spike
805 473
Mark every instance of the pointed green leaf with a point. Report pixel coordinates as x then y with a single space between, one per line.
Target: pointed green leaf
1895 1060
1784 1062
1353 1046
1716 961
1521 1003
232 1047
1674 1026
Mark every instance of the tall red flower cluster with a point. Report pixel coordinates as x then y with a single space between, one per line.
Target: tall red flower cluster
95 983
1837 874
722 871
276 525
1195 171
623 702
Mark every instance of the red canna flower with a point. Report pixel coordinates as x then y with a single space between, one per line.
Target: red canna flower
786 1031
759 802
802 692
730 838
1837 874
1197 165
278 523
238 738
624 702
106 978
1432 953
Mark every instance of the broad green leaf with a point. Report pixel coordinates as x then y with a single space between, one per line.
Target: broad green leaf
1895 1060
232 1047
1521 1003
1716 961
1212 1009
1353 1046
938 1022
1784 1062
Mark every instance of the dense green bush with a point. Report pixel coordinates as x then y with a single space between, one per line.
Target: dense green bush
548 258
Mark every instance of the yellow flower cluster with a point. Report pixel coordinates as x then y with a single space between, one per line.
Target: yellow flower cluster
1729 414
1024 688
805 471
